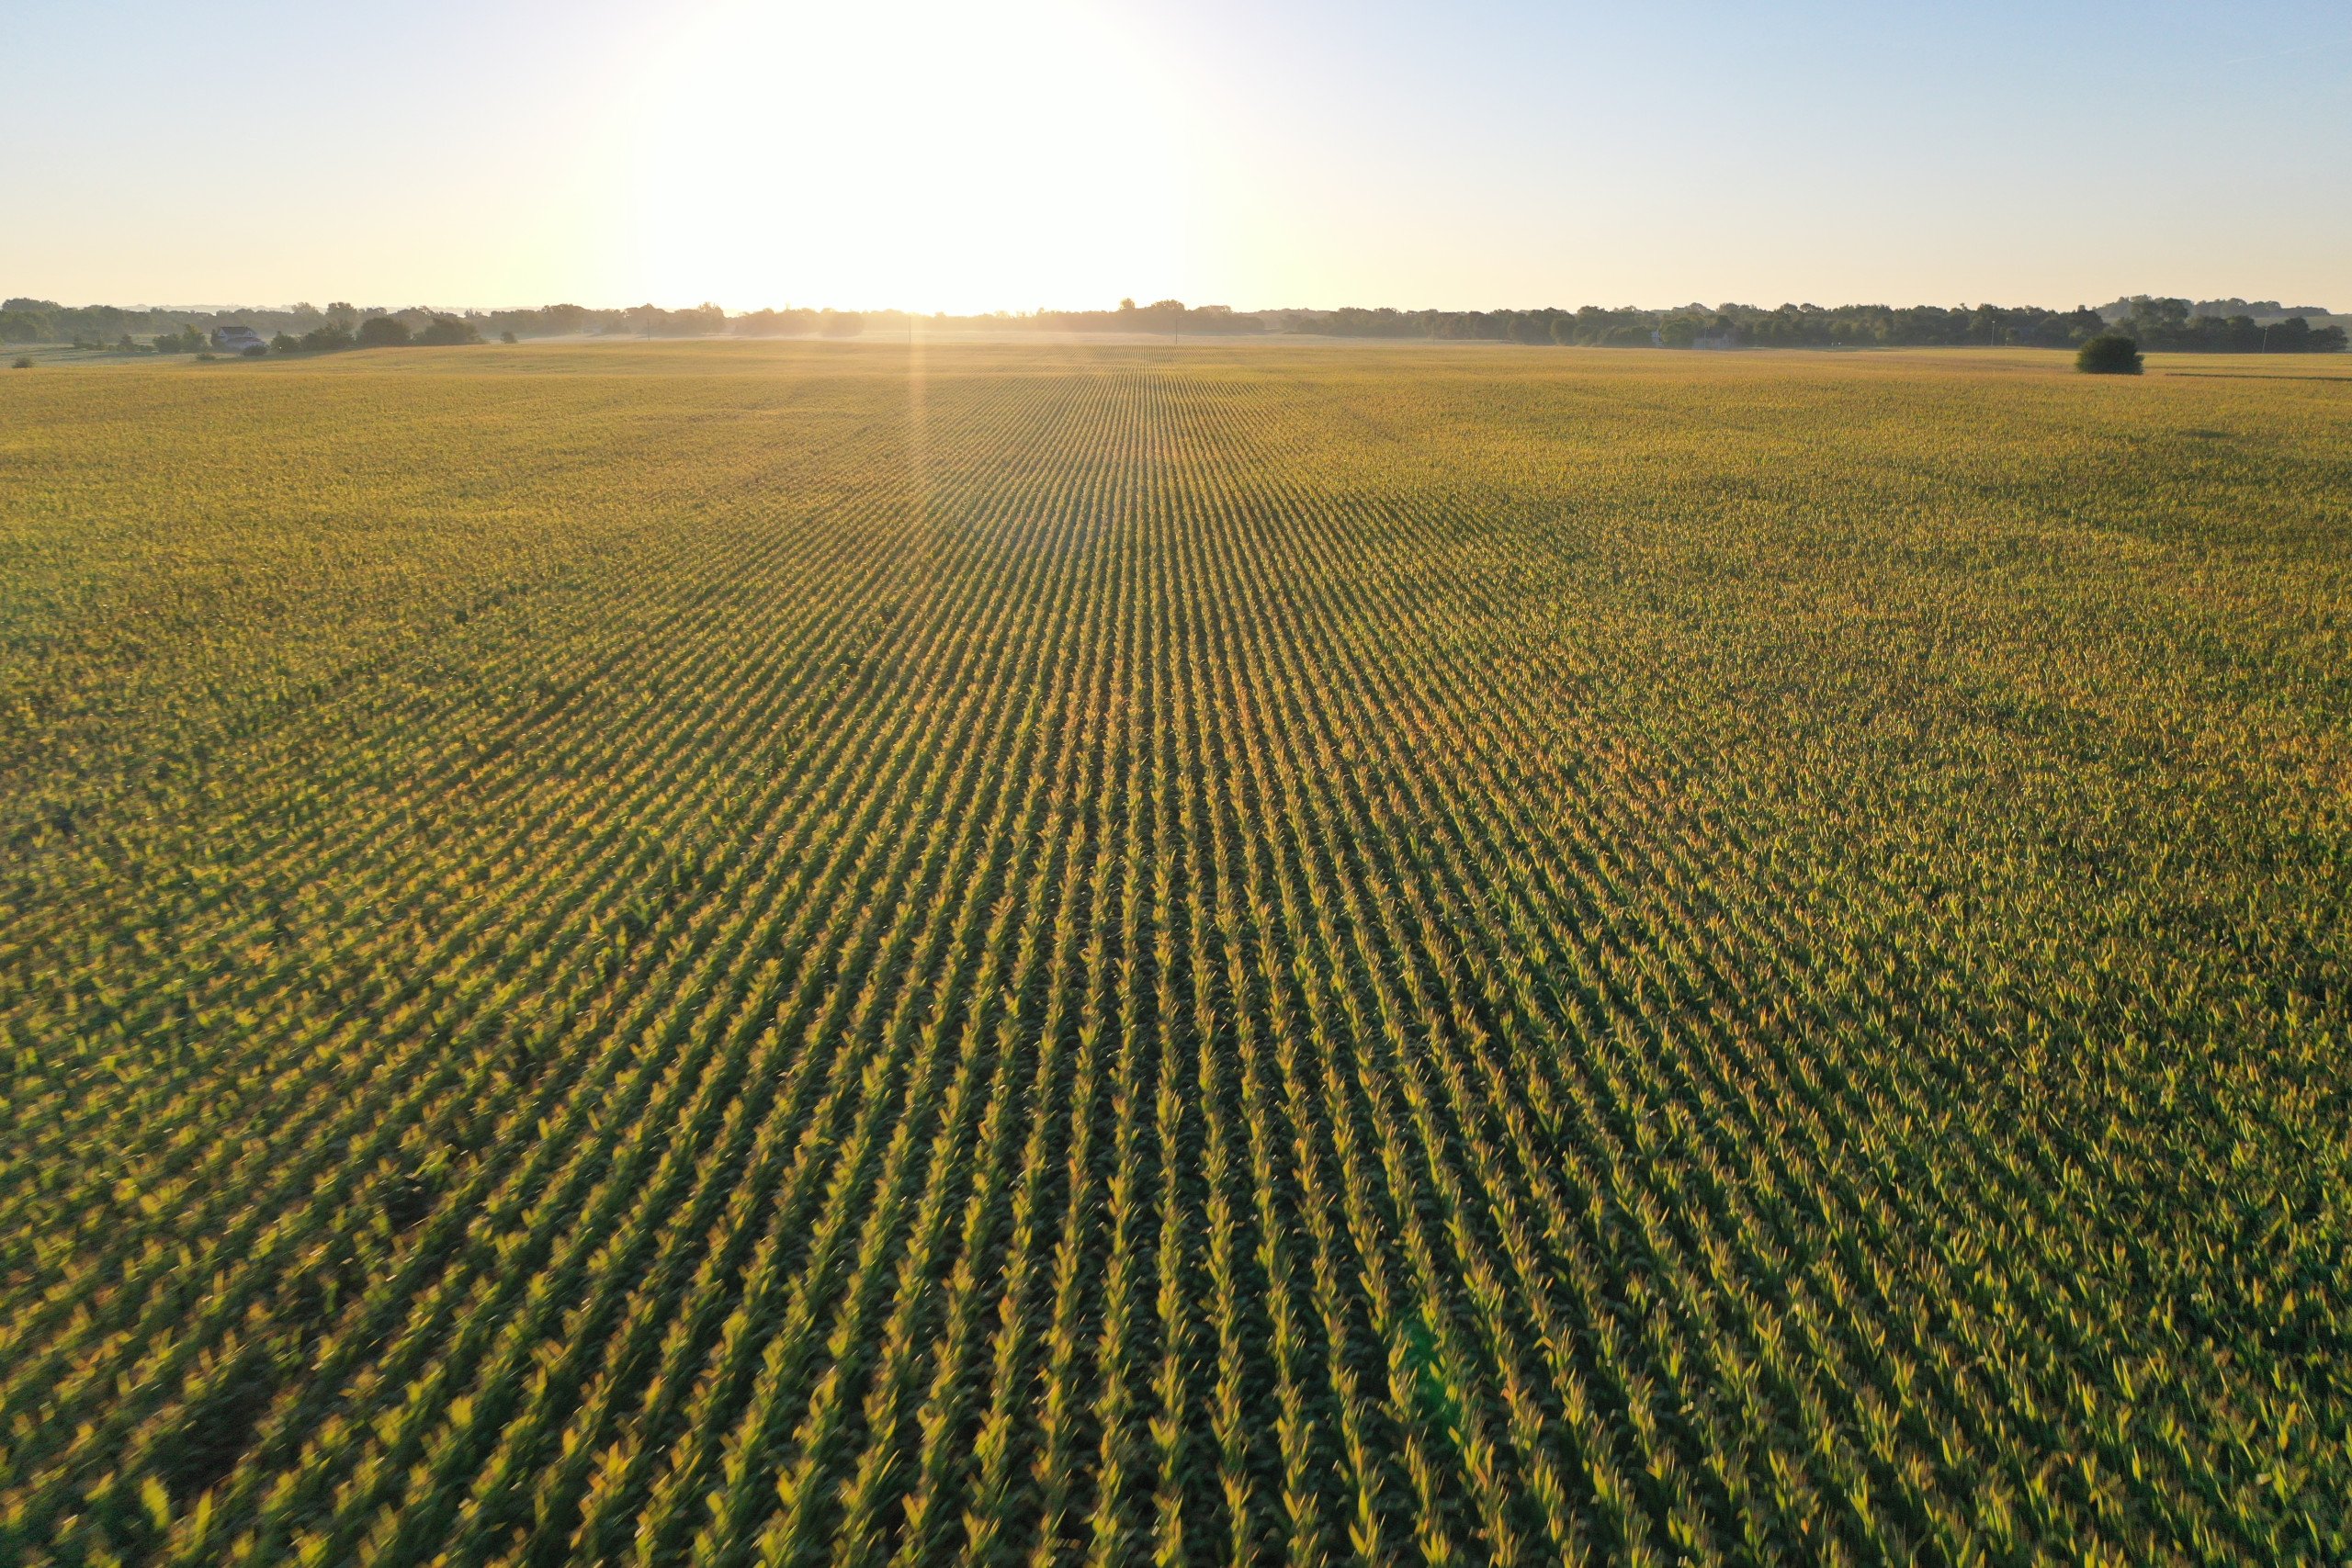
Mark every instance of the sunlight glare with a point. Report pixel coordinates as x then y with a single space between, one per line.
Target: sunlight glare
918 155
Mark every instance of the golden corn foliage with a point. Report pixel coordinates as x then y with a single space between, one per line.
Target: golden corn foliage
889 953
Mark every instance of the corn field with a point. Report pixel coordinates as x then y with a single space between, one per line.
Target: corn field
892 954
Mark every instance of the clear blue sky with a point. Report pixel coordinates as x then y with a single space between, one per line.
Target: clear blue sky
1066 152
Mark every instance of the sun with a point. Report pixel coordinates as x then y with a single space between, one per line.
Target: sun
924 155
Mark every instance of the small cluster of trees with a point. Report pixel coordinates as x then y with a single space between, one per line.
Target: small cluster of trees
344 327
652 321
797 323
2109 354
2177 326
45 320
1173 317
381 332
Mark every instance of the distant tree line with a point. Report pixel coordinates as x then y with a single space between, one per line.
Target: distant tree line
339 325
388 329
45 320
2153 322
299 328
797 323
2177 326
342 325
1169 317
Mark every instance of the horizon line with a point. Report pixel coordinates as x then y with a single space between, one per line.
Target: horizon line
1031 314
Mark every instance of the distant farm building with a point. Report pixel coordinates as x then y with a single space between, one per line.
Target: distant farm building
237 340
1715 340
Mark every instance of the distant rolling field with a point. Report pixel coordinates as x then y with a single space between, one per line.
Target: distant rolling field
891 953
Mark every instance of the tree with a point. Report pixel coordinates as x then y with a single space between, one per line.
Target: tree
2109 354
383 331
284 343
443 330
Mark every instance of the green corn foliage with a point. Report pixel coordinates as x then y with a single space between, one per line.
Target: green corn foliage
818 952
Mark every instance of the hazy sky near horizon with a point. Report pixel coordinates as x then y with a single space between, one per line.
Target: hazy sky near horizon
1064 152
